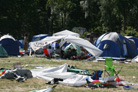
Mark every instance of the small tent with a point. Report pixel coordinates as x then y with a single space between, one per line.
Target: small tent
115 45
3 52
10 45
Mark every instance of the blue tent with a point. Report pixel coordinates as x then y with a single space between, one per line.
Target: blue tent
10 45
115 45
39 37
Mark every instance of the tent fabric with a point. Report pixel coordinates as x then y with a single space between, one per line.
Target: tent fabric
10 45
39 37
7 36
60 72
20 44
72 39
3 52
48 40
66 32
115 45
134 39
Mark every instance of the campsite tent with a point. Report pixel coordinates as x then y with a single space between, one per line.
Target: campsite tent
10 45
39 37
67 38
3 52
115 45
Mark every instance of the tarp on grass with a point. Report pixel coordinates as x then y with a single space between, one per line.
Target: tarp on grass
60 72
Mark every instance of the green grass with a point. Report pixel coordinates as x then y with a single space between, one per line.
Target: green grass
129 70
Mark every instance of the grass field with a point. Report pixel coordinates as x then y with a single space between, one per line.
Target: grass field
129 73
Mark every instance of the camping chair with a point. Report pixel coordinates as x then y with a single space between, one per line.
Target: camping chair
110 67
46 52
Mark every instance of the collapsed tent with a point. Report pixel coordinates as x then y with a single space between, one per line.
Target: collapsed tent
60 72
115 45
10 45
67 38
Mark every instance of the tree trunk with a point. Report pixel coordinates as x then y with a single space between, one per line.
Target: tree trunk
124 23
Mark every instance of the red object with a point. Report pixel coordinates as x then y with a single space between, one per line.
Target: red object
118 79
46 52
2 72
21 53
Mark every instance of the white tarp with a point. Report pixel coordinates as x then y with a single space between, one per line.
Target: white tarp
66 32
41 43
84 43
72 39
135 59
60 72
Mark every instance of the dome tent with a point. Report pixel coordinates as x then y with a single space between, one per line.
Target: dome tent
115 45
10 45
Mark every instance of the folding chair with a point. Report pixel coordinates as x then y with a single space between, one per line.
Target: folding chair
110 67
46 52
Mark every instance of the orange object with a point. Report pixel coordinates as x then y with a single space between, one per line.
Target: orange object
46 52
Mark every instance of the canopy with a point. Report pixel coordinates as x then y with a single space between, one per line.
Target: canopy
72 39
66 32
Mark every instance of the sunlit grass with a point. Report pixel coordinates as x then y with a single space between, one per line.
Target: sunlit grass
129 73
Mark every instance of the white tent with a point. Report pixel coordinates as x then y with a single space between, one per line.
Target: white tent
67 38
66 32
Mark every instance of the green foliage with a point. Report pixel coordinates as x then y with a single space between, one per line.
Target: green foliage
49 16
130 32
